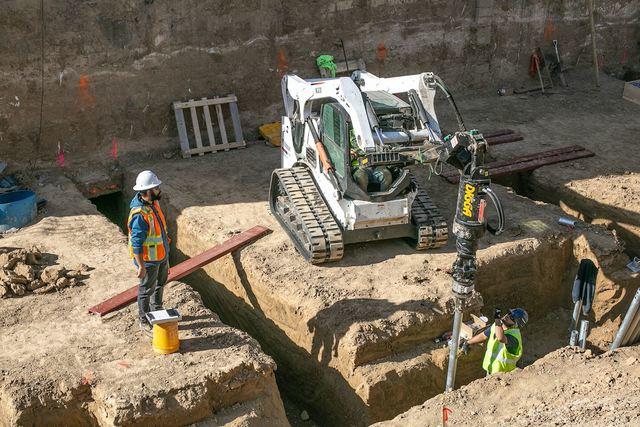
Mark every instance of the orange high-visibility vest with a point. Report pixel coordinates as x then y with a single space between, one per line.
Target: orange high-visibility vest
153 247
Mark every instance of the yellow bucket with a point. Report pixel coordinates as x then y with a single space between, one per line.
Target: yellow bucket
165 337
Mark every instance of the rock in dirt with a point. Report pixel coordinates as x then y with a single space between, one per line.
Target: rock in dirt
36 252
31 259
9 265
4 291
52 273
74 274
35 284
18 289
9 276
25 271
62 283
4 258
75 282
304 416
45 289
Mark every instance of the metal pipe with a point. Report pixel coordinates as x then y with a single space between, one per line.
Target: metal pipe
633 330
626 322
453 347
573 339
584 331
404 137
576 316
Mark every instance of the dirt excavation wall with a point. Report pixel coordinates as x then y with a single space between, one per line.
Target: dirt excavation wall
60 365
78 75
354 339
564 388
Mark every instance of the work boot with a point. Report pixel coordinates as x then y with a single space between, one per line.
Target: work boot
146 329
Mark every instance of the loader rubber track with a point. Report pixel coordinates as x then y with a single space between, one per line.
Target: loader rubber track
298 206
432 227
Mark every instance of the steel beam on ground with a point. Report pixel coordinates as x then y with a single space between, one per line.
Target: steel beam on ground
528 162
186 267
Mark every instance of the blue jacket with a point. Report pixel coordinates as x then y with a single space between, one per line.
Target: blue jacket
139 229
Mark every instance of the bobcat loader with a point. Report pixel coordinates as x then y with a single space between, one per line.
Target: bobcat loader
391 122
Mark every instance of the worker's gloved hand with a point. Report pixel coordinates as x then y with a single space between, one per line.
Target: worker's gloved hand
497 313
464 346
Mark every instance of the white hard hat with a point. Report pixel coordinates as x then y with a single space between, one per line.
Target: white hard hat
146 180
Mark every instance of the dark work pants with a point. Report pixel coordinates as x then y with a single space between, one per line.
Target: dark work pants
150 290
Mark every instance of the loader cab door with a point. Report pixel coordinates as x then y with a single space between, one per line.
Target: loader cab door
335 138
335 128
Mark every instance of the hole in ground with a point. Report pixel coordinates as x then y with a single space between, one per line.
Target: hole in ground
114 207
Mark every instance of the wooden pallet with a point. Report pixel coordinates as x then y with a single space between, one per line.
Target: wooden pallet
201 107
185 268
528 162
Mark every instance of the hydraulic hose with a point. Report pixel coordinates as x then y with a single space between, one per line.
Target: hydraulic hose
447 93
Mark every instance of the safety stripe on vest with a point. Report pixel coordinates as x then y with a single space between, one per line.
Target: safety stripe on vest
507 360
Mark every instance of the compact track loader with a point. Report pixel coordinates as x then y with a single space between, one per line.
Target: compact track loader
336 125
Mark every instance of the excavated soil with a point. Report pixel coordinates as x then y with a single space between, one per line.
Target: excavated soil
60 365
354 339
566 387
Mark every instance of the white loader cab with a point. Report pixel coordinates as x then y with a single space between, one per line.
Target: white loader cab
346 147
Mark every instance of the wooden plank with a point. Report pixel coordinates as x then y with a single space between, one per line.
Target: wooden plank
223 131
182 131
207 120
218 147
196 128
186 267
209 101
528 162
235 118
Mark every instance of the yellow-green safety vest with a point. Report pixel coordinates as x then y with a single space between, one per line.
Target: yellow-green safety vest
497 358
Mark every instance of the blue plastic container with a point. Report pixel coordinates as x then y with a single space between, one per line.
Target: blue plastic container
17 209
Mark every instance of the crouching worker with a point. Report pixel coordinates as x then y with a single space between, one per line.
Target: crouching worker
148 245
504 341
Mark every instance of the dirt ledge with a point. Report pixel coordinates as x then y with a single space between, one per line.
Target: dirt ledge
62 366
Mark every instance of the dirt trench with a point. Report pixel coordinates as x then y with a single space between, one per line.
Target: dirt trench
60 365
354 340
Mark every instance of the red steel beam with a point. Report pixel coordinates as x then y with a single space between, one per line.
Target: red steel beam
503 139
186 267
494 133
528 162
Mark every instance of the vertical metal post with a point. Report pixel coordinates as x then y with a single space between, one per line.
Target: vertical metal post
584 331
576 316
626 322
453 347
573 339
593 42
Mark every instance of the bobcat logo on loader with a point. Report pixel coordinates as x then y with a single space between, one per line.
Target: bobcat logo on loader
469 193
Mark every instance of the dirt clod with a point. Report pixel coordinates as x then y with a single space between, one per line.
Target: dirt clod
52 273
18 289
22 273
62 283
25 271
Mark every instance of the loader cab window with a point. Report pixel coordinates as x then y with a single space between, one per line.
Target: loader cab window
335 137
